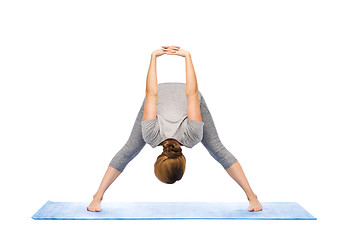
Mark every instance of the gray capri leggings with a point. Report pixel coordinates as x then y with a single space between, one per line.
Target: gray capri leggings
210 140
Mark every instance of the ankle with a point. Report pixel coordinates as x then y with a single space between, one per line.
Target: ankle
252 197
97 197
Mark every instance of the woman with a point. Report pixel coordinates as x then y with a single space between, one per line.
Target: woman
173 115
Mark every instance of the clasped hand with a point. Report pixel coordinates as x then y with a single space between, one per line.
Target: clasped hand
170 50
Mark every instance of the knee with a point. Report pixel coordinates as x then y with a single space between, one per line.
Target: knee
230 163
213 144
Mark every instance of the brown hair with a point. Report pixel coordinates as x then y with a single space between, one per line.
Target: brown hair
171 164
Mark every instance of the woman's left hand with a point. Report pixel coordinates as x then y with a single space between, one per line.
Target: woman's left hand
170 50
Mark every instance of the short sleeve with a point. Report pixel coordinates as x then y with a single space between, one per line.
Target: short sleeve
194 132
150 130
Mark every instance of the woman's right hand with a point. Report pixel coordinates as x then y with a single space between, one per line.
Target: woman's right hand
174 50
165 50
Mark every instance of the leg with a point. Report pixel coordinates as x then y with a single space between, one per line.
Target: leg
211 139
132 147
236 172
110 175
130 150
217 150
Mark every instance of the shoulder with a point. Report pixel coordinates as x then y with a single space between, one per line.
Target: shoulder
191 132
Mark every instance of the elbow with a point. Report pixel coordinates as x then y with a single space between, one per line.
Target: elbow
151 92
192 92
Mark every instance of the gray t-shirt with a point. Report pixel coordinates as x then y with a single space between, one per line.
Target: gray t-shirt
171 120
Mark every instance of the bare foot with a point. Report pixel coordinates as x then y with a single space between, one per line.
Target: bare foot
254 204
94 206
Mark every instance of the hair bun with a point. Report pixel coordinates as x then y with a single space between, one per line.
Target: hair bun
172 151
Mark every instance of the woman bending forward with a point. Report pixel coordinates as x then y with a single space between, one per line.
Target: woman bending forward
173 115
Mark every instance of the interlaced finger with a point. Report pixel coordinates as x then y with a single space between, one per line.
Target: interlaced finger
171 47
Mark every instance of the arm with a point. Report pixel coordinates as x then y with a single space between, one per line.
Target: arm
151 82
150 111
191 82
192 91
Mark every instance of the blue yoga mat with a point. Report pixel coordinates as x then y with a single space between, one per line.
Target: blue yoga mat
171 210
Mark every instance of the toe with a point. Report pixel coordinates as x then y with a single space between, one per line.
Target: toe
259 209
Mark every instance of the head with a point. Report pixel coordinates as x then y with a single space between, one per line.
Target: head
171 164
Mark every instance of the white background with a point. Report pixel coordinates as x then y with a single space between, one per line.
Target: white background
273 74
